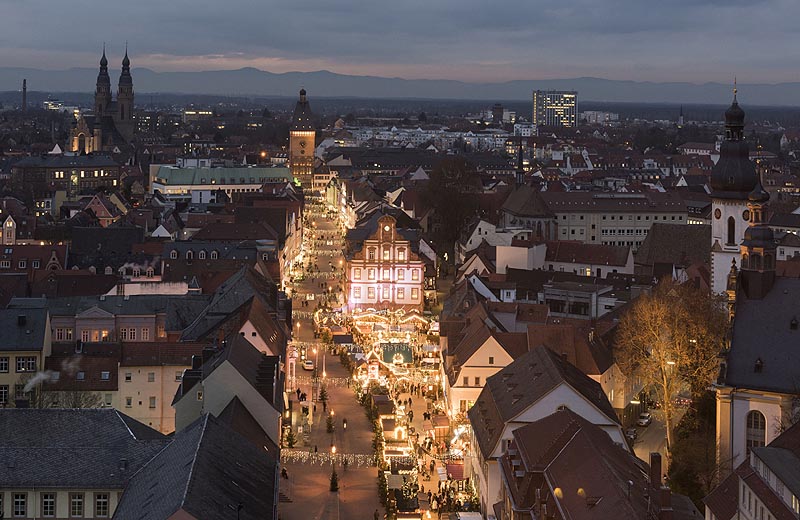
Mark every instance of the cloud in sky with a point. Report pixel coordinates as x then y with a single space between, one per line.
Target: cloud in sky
474 40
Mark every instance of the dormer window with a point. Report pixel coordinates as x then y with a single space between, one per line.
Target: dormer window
189 254
214 255
173 254
109 270
201 255
150 272
137 272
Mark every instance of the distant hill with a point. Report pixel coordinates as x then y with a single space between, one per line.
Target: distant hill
254 82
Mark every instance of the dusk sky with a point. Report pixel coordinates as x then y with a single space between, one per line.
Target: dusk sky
472 40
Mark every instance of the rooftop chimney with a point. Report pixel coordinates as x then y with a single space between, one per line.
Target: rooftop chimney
197 362
665 501
655 470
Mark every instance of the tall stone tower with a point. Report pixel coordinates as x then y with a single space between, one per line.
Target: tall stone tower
733 179
24 95
302 143
102 91
124 117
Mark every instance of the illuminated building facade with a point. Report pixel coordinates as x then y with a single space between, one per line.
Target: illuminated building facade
555 108
385 274
301 143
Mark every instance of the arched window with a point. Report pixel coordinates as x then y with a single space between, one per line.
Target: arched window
189 254
214 255
173 254
755 261
731 231
201 255
745 261
756 430
769 262
150 272
137 272
109 270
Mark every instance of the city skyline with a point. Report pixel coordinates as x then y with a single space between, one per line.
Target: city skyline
622 39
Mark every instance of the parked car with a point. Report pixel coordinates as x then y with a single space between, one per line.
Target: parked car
644 419
631 434
308 365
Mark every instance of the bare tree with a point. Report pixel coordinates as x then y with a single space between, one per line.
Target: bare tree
39 395
671 339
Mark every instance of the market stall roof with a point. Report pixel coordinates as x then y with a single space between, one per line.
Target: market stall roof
455 471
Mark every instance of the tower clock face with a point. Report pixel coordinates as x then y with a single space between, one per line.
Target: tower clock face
302 144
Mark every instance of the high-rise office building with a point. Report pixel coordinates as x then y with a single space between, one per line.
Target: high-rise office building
555 108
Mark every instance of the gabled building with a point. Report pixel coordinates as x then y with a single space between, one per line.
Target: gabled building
765 485
537 384
25 343
237 371
75 466
209 471
564 467
385 271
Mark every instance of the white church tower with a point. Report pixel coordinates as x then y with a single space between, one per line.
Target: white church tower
733 178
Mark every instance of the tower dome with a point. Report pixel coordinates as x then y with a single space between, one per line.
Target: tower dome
734 176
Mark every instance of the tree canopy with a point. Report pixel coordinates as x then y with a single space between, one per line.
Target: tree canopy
671 339
451 194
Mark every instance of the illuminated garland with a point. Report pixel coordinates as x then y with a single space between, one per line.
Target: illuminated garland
338 382
304 457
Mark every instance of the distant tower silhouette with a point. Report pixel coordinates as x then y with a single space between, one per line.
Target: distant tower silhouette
124 122
102 93
680 117
111 125
24 94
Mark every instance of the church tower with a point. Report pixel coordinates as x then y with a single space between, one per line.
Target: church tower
758 247
124 117
733 179
301 143
102 92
